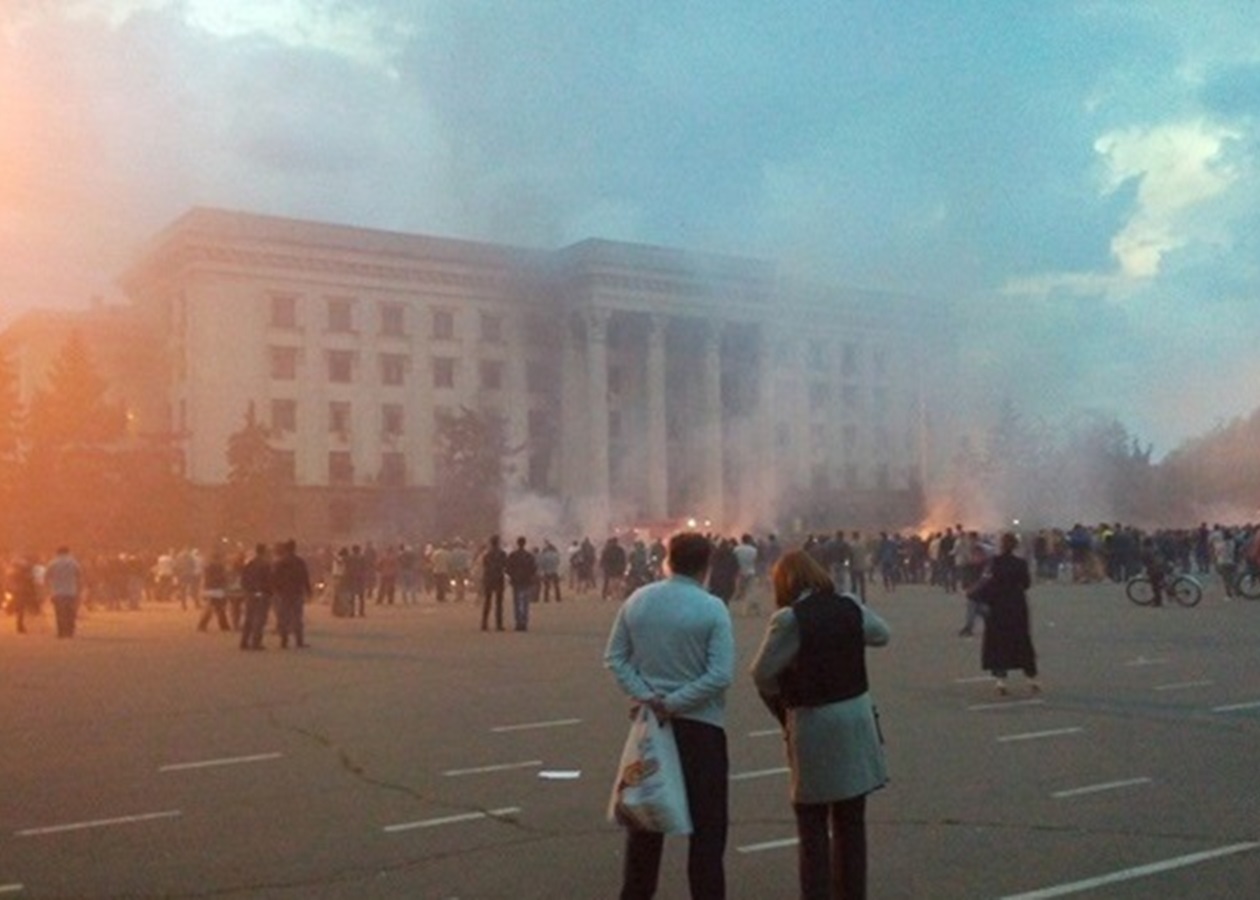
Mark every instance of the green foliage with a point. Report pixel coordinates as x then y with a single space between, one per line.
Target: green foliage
472 456
255 486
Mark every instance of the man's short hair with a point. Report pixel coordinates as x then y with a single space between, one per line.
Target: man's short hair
689 553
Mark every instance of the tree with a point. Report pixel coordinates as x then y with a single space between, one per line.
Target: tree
255 481
68 488
11 424
472 457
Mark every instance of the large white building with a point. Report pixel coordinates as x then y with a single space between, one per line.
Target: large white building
643 384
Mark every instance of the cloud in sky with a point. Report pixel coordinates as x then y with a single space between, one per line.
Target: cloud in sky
1078 177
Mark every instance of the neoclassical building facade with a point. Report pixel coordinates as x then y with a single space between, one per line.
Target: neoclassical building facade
641 384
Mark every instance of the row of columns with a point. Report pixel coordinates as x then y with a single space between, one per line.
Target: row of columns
586 463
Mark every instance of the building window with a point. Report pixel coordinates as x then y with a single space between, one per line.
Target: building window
492 328
340 467
392 420
393 469
283 363
339 418
614 425
443 372
341 517
819 392
393 368
393 321
283 311
284 416
286 466
340 315
615 379
849 439
443 325
849 397
537 377
340 366
491 375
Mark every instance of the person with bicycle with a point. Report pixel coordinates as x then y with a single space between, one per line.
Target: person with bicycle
1156 566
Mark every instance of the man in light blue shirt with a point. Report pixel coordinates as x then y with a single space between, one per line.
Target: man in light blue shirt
62 578
672 649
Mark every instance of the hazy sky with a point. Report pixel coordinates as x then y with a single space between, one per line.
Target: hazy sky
1079 177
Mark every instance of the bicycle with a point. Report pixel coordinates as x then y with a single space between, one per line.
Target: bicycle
1247 582
1180 587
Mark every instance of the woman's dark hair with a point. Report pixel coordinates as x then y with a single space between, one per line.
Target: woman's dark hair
688 554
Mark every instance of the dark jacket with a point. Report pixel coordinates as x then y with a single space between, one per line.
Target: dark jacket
290 578
1007 640
831 663
521 568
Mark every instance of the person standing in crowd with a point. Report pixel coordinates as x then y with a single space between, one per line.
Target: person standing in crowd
256 585
214 587
21 586
440 568
612 563
672 648
522 572
549 571
461 568
1007 642
64 580
746 573
493 572
811 673
291 586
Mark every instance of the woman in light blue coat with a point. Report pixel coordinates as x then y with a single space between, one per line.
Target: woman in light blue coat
811 673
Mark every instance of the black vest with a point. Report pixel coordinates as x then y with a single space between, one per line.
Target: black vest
831 664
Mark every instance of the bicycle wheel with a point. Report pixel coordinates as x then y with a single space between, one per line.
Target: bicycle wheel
1186 591
1248 585
1139 590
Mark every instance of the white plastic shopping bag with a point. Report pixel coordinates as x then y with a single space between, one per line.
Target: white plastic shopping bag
649 792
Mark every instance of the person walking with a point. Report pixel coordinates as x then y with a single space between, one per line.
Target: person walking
291 587
493 573
810 671
256 584
21 586
214 588
1007 642
672 649
521 570
64 580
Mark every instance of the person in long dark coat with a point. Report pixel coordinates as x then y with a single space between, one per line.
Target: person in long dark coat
1007 642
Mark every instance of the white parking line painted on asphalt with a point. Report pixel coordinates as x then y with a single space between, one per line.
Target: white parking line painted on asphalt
1034 735
529 726
973 679
11 888
768 732
451 820
760 773
1234 707
502 767
1004 704
1183 685
1076 887
768 845
224 761
98 823
1098 788
1143 661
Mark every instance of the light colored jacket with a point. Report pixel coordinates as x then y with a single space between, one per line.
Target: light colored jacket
835 751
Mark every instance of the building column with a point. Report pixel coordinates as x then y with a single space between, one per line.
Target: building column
711 427
572 413
657 462
598 503
766 433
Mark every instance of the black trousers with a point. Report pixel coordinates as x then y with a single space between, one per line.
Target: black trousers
256 609
832 852
706 769
493 593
